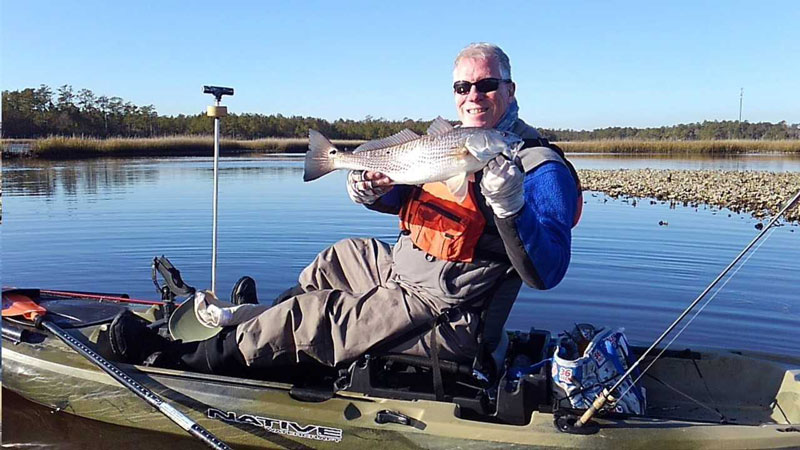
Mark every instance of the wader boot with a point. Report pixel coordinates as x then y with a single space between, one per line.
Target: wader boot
244 292
130 340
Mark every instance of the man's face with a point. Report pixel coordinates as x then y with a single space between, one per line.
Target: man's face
478 109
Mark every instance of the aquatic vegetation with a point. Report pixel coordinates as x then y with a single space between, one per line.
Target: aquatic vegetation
759 193
82 147
58 147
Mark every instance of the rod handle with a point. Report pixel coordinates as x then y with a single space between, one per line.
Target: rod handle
596 405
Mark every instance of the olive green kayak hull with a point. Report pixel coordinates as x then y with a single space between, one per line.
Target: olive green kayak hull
759 390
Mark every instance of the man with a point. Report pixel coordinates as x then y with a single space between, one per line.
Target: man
362 293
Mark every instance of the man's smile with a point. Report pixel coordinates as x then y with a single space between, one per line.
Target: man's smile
476 110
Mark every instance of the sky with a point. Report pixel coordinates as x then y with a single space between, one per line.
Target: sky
577 65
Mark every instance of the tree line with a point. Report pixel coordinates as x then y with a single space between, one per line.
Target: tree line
41 112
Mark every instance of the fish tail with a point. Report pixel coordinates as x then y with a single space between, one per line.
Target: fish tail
319 158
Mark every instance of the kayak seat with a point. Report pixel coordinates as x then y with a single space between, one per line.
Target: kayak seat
507 398
408 377
483 387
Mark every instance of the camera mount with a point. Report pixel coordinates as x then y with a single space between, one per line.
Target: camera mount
217 91
217 112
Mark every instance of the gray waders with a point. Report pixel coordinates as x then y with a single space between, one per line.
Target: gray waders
362 292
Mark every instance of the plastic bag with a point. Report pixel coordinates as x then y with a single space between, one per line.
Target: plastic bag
586 361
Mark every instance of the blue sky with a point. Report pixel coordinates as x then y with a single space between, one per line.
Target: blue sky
579 65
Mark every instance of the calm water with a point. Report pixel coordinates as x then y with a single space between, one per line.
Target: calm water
96 225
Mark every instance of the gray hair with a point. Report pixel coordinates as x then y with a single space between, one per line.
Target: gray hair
485 50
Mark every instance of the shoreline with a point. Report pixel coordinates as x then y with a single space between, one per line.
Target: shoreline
760 194
82 148
62 148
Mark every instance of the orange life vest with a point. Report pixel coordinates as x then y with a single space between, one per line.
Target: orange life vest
441 226
449 230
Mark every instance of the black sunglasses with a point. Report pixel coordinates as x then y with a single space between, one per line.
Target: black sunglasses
485 85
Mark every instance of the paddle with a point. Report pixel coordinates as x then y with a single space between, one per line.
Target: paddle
16 304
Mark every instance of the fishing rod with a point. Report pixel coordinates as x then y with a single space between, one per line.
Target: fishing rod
101 297
605 395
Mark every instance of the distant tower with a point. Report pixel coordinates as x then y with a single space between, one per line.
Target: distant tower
741 96
739 124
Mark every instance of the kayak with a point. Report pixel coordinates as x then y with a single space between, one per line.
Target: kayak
696 398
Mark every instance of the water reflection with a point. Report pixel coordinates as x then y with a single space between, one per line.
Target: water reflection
98 176
28 425
102 176
46 178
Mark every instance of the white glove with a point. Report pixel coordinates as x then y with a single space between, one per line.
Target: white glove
212 312
502 187
361 190
208 312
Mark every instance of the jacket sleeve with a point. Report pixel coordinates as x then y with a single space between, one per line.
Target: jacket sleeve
392 201
538 239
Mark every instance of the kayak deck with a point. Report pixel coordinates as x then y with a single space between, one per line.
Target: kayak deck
746 400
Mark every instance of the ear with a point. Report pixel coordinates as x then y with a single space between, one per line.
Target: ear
512 88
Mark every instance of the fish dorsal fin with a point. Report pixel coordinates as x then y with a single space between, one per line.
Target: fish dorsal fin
458 186
440 126
395 139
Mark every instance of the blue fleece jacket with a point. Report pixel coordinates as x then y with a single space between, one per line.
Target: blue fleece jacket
544 224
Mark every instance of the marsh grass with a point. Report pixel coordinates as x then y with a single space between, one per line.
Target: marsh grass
79 147
76 147
737 146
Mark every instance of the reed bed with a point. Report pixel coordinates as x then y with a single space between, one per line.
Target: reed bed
78 147
736 146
